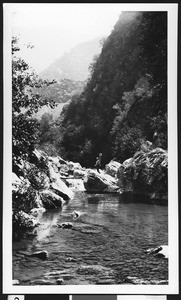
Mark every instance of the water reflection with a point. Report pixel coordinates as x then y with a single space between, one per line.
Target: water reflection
129 197
110 230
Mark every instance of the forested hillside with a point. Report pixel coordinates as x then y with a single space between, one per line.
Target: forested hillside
59 92
125 100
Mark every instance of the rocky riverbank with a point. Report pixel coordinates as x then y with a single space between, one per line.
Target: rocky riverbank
48 182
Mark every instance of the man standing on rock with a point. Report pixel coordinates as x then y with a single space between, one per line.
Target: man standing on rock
98 162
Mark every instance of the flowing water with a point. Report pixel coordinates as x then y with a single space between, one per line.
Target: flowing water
106 244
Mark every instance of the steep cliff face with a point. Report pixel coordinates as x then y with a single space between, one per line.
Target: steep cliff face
125 100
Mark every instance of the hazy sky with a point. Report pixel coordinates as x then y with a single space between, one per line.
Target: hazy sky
54 29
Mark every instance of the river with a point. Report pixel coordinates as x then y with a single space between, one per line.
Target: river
105 246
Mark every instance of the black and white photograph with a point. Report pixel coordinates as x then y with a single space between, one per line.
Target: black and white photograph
90 148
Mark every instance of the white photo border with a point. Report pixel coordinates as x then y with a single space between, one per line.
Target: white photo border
172 287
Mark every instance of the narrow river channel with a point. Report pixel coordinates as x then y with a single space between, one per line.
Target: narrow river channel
106 244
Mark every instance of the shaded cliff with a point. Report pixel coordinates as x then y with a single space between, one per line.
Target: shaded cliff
125 100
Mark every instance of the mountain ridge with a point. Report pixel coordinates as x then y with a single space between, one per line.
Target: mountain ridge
74 64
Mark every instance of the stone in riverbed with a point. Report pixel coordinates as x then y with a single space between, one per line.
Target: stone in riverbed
40 254
66 225
100 182
70 259
60 281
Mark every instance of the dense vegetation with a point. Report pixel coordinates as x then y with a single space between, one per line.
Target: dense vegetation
62 91
123 103
25 103
125 100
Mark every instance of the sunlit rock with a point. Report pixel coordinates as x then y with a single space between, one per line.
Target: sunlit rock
100 182
59 186
145 173
40 254
66 225
50 200
112 168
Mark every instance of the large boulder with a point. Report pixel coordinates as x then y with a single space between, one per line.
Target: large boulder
112 168
145 173
51 200
58 186
100 182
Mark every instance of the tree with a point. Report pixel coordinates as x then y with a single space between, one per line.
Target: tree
25 103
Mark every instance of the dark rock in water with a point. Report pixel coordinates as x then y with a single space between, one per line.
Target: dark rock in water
70 259
60 281
66 225
40 254
100 182
146 173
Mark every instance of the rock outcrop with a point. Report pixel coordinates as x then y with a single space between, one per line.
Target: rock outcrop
112 168
39 186
51 200
145 173
100 182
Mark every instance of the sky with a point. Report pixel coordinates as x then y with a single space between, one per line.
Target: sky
54 29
